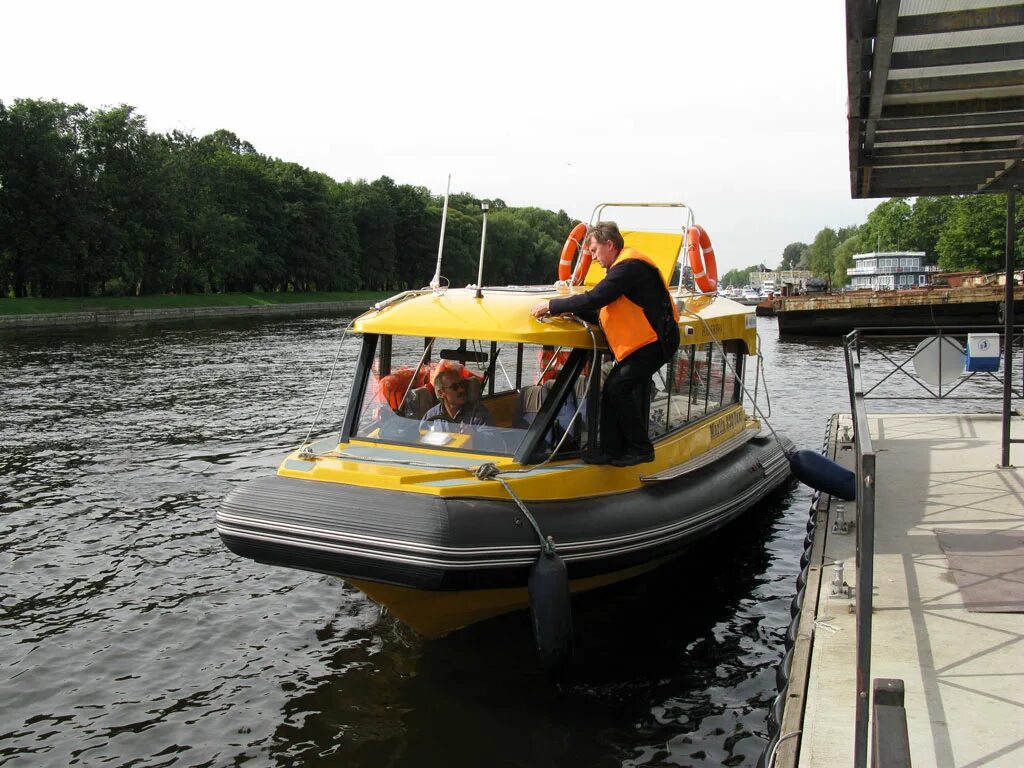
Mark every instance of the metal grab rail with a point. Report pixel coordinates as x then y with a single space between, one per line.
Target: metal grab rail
865 505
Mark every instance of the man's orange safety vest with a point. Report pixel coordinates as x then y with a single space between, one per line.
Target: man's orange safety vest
624 323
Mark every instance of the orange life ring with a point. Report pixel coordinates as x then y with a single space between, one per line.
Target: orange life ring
572 244
705 269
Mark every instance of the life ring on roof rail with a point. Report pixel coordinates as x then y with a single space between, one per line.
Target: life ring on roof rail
572 244
702 259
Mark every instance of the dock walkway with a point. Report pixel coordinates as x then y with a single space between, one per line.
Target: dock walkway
963 671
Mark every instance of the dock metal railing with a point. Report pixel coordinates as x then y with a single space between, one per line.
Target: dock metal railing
865 527
859 392
875 340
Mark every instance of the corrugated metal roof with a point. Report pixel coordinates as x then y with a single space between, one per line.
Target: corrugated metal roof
936 96
919 7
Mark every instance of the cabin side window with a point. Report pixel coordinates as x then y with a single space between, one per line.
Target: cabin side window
696 382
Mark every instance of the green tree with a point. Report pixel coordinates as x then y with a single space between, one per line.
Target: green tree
793 255
41 189
927 219
416 233
820 255
374 218
974 235
888 226
842 256
124 217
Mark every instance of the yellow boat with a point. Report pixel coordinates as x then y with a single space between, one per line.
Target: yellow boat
443 528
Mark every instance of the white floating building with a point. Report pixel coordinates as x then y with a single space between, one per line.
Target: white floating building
889 270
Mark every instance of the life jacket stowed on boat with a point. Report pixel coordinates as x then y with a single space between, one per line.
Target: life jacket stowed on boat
624 323
702 259
572 244
551 363
394 386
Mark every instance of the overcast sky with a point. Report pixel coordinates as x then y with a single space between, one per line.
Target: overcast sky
736 108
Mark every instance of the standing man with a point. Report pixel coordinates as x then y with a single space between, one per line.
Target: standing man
640 320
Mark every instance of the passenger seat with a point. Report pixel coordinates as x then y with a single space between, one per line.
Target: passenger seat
418 402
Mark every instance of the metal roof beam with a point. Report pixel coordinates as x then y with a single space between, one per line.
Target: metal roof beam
969 82
888 12
945 57
950 121
1009 176
945 149
917 189
950 134
1012 177
859 23
960 21
950 158
962 106
967 173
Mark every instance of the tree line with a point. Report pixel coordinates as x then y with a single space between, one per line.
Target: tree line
958 233
92 203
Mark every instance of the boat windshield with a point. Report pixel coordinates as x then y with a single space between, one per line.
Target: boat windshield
521 400
466 395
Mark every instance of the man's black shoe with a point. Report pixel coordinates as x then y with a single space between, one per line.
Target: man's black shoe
630 459
596 457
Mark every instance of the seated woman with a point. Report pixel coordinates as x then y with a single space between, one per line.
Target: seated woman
454 411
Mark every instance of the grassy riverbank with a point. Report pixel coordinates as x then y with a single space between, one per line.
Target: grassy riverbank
10 306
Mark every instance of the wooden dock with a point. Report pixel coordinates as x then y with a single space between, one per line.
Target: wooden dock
836 314
963 671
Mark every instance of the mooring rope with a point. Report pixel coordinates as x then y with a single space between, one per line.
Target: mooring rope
305 449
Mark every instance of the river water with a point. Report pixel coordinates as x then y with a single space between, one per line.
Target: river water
130 637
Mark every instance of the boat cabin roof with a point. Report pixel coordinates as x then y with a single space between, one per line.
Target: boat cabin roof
503 314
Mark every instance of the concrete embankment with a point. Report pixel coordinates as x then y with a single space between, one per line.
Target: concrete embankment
100 318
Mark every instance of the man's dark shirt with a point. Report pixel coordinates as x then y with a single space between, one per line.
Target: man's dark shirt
471 414
638 281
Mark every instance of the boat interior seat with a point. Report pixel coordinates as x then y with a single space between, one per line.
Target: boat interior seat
531 398
418 402
474 387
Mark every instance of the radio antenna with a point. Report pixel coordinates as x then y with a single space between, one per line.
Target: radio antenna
435 283
483 239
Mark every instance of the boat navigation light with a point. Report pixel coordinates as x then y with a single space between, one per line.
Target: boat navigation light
483 239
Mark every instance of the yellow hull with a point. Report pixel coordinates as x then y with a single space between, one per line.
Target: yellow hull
433 614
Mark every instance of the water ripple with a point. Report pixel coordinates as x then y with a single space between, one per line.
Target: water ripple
130 636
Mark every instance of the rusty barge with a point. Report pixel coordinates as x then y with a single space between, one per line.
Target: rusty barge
836 314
